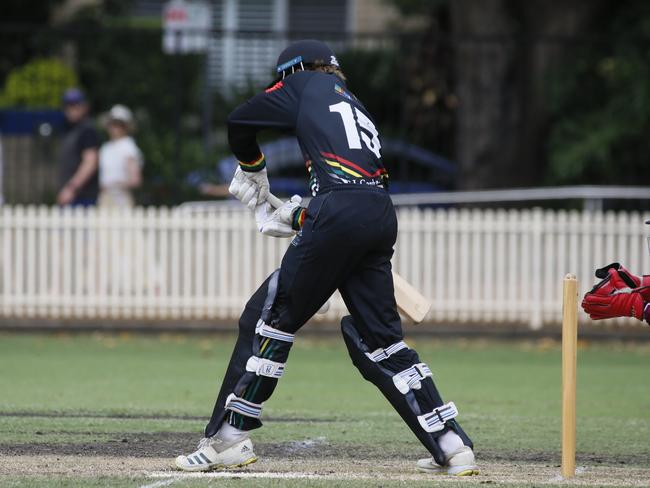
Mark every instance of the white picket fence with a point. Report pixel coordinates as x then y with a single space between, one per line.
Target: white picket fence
478 266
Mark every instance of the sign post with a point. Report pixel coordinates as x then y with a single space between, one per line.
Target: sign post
186 27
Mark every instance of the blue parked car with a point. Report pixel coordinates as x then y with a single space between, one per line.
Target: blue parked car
412 169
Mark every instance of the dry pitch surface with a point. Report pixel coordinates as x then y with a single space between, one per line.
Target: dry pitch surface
300 463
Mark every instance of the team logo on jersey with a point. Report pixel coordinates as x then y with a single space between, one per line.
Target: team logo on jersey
339 89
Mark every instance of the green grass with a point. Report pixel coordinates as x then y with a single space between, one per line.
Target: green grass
508 394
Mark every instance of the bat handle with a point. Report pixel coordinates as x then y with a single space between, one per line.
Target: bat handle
274 201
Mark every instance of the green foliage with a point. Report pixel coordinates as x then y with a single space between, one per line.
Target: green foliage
32 11
168 161
407 98
38 84
164 93
416 7
601 107
17 46
374 77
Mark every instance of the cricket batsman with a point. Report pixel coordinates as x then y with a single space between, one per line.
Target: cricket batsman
343 240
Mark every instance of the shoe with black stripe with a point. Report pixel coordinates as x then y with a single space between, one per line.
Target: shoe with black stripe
214 453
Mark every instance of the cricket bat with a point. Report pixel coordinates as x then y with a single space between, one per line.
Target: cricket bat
410 301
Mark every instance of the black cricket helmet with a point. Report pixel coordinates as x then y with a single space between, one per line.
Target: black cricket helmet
301 54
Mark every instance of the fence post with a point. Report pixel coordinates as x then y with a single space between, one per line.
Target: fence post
31 227
536 276
5 267
19 263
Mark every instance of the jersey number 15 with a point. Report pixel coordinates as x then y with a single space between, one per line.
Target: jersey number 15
354 135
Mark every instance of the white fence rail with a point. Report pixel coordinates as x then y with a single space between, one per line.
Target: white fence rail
478 266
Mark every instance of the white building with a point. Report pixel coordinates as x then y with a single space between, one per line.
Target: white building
248 35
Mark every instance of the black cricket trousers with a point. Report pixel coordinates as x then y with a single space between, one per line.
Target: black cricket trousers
346 243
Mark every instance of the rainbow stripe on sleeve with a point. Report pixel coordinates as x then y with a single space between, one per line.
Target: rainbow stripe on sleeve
298 218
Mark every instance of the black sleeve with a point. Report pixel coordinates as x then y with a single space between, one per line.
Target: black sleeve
275 108
88 139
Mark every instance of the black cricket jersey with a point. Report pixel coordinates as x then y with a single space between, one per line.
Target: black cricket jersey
337 136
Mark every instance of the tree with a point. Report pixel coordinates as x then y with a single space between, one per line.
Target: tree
14 51
601 107
505 51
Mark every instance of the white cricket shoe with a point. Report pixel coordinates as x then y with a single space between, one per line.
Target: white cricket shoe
214 453
460 463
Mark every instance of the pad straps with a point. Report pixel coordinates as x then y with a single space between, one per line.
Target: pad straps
244 407
267 331
435 420
381 354
410 379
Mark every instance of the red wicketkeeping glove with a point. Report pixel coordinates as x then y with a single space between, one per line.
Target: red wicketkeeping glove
630 280
628 303
618 294
613 280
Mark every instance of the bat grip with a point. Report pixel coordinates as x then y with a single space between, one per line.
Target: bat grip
274 201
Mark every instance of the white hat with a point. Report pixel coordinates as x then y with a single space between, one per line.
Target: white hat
121 113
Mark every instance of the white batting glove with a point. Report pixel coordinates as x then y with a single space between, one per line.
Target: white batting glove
263 214
250 188
278 223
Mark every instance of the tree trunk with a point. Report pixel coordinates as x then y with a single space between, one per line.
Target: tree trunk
504 53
